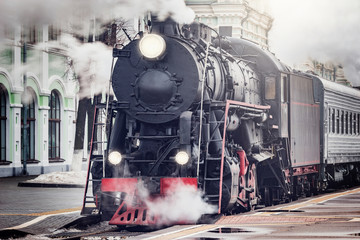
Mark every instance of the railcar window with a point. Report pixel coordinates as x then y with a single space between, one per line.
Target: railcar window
329 121
342 122
350 123
333 120
346 123
337 121
354 124
270 88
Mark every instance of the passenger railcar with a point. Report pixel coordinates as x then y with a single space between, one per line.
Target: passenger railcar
340 132
221 115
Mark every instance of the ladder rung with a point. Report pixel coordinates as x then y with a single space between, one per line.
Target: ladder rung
213 159
90 202
95 180
212 179
90 197
97 160
97 142
210 196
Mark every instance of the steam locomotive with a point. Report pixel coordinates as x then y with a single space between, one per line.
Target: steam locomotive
223 116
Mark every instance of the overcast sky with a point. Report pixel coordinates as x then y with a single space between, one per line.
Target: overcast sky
321 29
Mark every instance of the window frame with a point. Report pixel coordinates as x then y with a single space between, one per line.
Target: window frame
54 142
31 122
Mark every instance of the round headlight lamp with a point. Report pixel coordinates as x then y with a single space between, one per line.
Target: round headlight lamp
115 157
152 46
182 158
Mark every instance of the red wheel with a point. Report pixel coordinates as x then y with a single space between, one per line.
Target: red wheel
251 184
242 200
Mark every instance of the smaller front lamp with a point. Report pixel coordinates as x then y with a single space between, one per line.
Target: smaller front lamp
115 157
152 46
182 158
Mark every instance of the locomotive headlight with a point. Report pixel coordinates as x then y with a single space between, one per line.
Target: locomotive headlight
115 157
182 158
152 46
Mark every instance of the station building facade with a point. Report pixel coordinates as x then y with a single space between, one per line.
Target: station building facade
328 70
236 18
49 97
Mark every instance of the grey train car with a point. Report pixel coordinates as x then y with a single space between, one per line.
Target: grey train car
340 130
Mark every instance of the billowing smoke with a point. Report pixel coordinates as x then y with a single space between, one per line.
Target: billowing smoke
320 29
91 61
183 203
14 12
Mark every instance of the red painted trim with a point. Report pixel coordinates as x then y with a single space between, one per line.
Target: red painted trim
127 185
167 184
244 163
298 171
134 215
305 104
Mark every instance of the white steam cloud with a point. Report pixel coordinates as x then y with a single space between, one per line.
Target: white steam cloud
91 61
183 204
320 29
53 11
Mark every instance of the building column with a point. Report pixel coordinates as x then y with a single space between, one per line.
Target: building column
15 132
43 135
67 145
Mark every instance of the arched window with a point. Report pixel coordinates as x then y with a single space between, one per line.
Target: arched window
54 127
30 124
2 125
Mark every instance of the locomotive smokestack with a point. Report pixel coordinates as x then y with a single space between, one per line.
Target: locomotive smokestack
167 27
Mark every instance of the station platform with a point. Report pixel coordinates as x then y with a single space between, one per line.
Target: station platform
36 209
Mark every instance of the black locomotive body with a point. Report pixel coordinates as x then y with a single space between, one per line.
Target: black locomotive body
224 117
